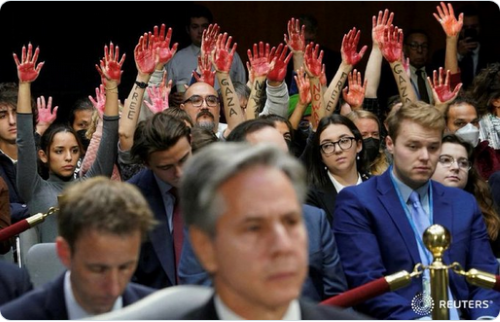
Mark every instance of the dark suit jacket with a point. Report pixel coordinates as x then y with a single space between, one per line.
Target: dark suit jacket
14 282
325 278
47 302
156 267
324 198
375 239
308 310
18 208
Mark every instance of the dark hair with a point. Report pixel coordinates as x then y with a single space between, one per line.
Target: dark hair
198 11
104 205
416 31
240 132
157 133
316 172
459 100
82 104
279 118
202 137
478 187
485 88
179 114
310 22
48 138
8 96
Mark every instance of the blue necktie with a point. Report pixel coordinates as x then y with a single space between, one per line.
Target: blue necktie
422 222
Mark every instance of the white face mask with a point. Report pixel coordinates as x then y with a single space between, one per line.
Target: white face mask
469 133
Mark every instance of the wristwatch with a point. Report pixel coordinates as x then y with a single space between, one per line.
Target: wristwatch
141 84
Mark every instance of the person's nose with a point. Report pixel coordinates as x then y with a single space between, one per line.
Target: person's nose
281 239
454 165
178 171
12 118
69 156
112 283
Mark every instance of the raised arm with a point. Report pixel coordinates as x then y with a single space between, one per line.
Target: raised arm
296 42
451 27
222 58
27 72
350 57
305 98
441 91
312 63
46 114
159 95
146 56
374 65
260 62
392 49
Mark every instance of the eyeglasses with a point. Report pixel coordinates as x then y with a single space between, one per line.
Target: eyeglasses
197 100
344 143
447 160
415 46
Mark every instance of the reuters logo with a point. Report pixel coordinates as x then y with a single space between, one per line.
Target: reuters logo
422 304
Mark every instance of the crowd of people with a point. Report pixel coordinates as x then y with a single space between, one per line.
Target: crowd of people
277 192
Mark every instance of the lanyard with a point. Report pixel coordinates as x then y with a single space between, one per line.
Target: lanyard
418 236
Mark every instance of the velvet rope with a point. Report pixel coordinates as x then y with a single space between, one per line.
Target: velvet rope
359 294
14 229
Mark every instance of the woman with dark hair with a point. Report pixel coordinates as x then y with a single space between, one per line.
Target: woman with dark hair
455 169
60 147
334 160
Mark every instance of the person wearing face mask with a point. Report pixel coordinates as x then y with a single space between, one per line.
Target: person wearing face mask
369 126
455 169
462 119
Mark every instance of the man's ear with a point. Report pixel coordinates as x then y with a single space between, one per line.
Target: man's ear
43 156
204 248
63 251
389 143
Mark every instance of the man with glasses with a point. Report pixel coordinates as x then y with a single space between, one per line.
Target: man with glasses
416 48
379 224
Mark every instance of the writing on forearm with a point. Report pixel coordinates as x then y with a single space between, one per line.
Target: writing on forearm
229 96
401 81
133 104
338 89
258 87
317 102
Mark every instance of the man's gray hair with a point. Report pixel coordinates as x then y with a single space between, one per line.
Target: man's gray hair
206 171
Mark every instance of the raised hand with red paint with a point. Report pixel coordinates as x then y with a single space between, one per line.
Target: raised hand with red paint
209 39
27 69
277 72
356 93
379 24
296 36
222 56
392 46
260 60
312 61
304 86
440 85
349 47
158 97
46 114
161 43
145 55
100 99
205 68
446 17
110 67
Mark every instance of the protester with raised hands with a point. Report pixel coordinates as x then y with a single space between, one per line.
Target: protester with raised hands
354 94
392 50
312 64
59 146
350 57
261 63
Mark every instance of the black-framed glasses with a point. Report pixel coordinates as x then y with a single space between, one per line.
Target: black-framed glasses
415 46
447 160
197 100
344 143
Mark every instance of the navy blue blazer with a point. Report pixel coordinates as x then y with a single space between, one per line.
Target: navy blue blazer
375 239
14 282
47 302
325 278
308 311
156 266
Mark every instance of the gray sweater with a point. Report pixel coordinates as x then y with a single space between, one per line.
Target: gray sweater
41 194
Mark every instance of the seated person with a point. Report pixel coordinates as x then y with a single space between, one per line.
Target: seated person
101 226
